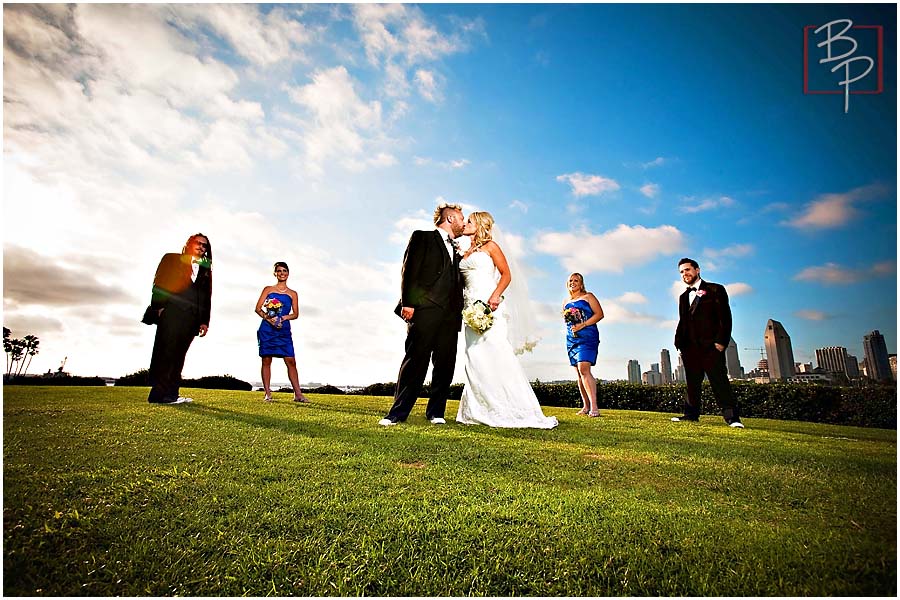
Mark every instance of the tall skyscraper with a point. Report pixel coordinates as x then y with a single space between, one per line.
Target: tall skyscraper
679 371
852 367
779 351
634 371
877 366
732 360
833 359
652 377
665 362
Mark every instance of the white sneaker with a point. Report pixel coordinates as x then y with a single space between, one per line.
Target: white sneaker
736 425
438 421
386 422
182 400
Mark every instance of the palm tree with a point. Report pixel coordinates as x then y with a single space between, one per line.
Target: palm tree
31 347
16 353
7 347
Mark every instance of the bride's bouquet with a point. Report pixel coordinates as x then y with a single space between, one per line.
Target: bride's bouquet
478 316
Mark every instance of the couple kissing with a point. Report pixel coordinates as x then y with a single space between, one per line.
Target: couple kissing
438 281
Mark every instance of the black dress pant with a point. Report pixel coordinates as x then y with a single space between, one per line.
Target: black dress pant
174 333
431 337
707 361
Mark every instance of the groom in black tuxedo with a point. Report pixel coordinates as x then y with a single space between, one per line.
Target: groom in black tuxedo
703 333
431 304
180 307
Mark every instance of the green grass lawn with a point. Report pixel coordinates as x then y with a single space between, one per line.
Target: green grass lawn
105 494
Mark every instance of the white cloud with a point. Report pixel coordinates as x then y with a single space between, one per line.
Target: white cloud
519 205
829 274
706 204
835 274
888 267
427 85
342 127
588 185
263 39
612 251
632 298
812 315
656 162
733 251
398 30
457 163
651 190
404 226
830 211
614 312
738 288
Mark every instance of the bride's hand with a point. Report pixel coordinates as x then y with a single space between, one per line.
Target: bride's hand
494 302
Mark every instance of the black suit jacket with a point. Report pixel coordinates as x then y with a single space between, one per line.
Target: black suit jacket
707 322
429 275
172 285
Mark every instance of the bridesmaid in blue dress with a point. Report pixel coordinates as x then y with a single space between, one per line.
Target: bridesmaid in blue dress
582 313
277 305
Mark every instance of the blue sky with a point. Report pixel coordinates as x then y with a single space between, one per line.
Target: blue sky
608 139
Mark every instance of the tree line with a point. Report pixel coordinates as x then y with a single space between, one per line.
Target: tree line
19 353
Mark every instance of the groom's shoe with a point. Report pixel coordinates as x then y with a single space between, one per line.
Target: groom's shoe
438 421
385 422
685 418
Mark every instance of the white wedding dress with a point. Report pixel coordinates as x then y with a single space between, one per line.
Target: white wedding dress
496 392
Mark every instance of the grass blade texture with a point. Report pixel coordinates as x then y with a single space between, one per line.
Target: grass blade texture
105 494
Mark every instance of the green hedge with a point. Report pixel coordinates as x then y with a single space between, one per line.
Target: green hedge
387 389
55 380
874 406
210 382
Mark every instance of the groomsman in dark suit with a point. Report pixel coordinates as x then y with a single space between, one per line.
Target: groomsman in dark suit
431 304
180 306
703 333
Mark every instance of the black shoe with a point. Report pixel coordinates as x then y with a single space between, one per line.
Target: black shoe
685 418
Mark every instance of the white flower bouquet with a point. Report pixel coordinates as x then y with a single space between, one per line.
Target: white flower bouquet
478 316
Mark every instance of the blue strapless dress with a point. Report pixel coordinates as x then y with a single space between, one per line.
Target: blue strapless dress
272 340
584 347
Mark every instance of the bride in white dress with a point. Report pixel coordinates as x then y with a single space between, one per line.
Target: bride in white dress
496 392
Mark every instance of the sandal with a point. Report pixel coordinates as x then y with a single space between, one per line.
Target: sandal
583 411
301 398
268 398
594 414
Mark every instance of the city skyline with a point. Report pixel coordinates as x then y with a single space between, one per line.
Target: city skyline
602 139
835 359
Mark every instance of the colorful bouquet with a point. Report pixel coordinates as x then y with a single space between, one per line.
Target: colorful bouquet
478 316
273 308
573 316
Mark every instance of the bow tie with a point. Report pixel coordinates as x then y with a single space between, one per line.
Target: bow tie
691 289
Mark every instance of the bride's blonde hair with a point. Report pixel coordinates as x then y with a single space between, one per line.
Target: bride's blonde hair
484 223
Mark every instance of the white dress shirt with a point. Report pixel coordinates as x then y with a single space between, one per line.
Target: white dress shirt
693 294
447 241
